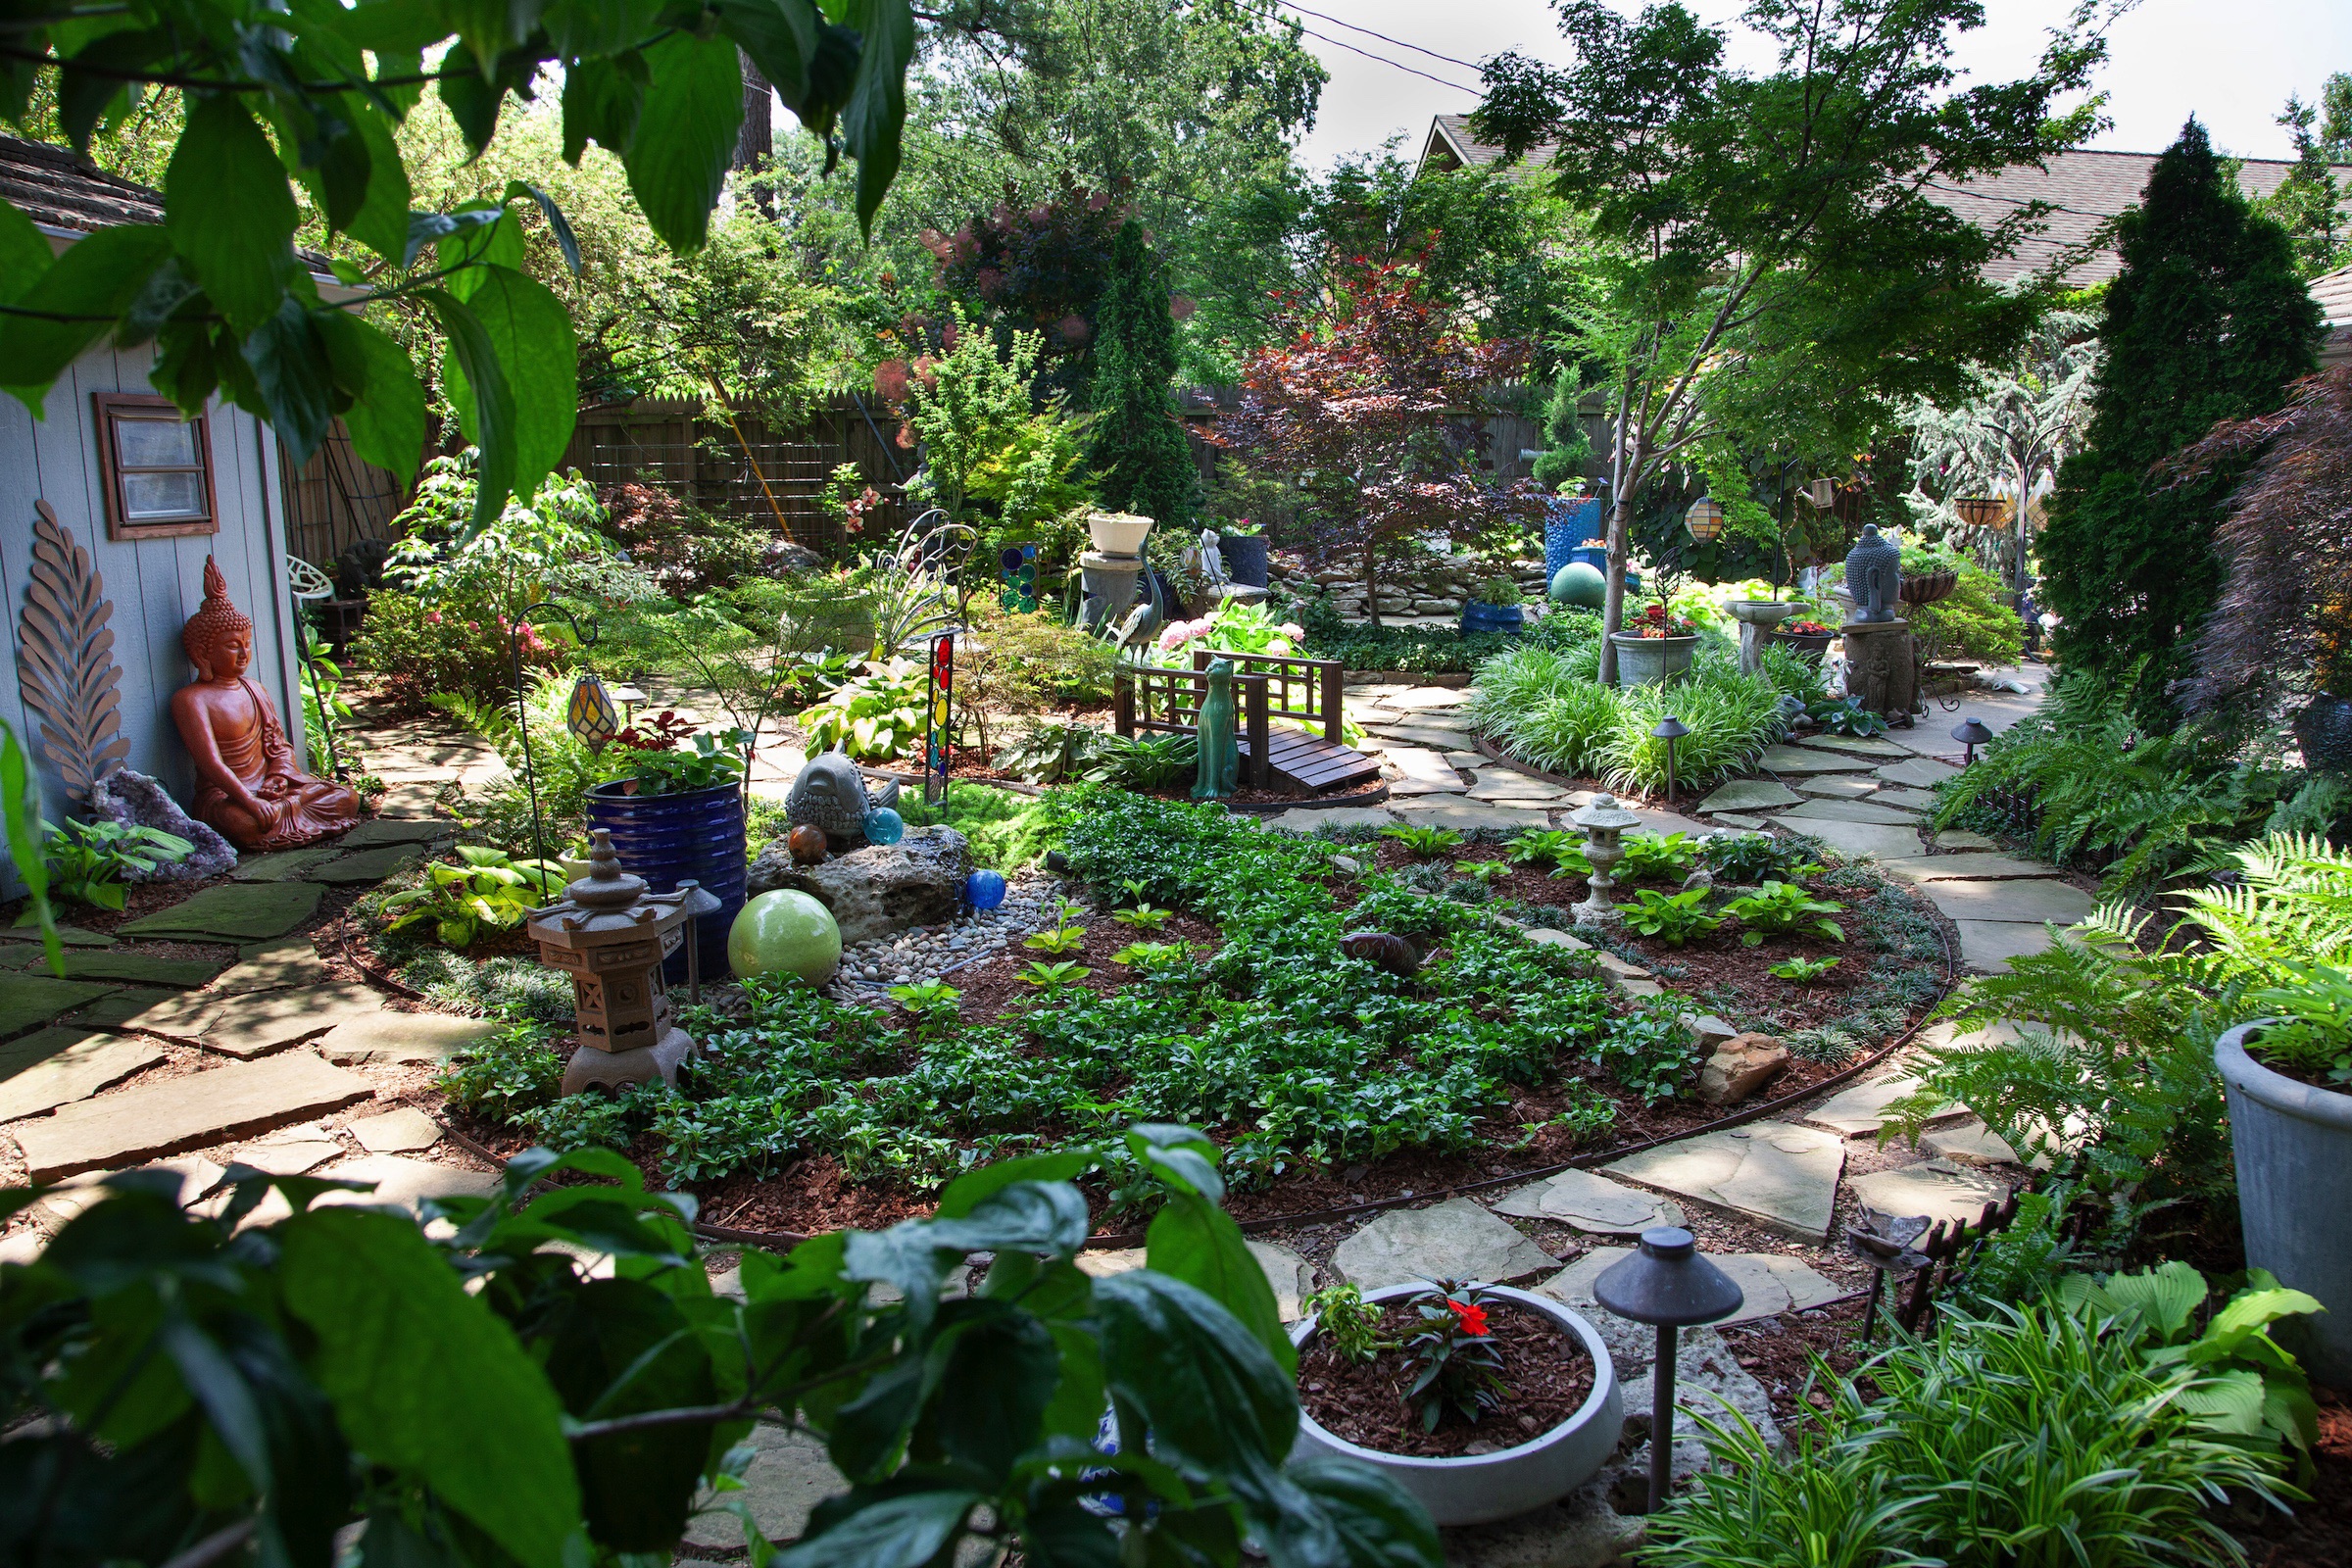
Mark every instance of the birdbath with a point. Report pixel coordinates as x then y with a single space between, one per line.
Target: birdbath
1756 618
1604 822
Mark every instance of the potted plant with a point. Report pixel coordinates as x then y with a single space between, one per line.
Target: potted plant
1809 638
1481 1400
1242 544
1655 647
2288 1080
1493 605
674 807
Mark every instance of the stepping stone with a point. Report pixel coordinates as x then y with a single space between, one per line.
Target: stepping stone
1862 1108
1456 1240
1306 819
70 936
1556 938
1987 946
1470 759
1775 1173
382 831
396 1131
414 800
1500 784
1959 839
1920 772
1427 735
405 1182
292 1151
1416 764
1468 816
29 1001
1743 824
1921 800
274 966
1749 795
285 865
1857 746
183 1114
1856 838
1592 1204
1855 812
59 1066
386 1036
1292 1276
1972 1143
118 1007
1837 786
1969 868
1937 1189
1402 789
368 865
1424 697
789 1475
1794 760
1769 1284
234 912
1653 821
53 1211
253 1023
145 968
2014 902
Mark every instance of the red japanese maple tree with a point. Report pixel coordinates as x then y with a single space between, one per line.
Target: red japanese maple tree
1376 404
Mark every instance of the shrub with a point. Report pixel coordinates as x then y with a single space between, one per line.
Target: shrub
1674 918
1014 662
1974 621
457 645
1544 709
1785 909
685 550
1752 857
1650 1051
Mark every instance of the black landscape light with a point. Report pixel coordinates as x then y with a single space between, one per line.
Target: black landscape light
700 903
1971 733
1670 1286
1670 729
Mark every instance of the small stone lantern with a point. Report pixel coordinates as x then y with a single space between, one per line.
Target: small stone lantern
1604 822
611 935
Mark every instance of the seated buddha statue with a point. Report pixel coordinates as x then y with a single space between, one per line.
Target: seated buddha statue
247 785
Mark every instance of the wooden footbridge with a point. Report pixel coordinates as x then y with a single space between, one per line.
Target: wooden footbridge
1266 687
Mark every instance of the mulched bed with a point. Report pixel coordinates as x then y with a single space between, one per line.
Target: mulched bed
2319 1534
1546 1373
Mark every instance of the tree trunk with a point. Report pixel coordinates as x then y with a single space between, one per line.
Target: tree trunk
1621 527
756 144
1371 584
2017 579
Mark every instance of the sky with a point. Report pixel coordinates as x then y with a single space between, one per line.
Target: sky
2231 63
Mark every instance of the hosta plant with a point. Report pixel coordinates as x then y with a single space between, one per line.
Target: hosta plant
1754 858
1057 939
932 1003
1674 918
87 860
1802 970
1544 846
488 893
1146 915
1425 843
1784 910
1054 976
1656 854
874 717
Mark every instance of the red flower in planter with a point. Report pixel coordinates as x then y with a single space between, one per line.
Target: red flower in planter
1472 1318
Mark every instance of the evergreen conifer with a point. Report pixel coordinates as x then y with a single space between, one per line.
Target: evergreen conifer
2207 321
1140 451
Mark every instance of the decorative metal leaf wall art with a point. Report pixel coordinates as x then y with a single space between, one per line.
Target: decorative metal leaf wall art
66 659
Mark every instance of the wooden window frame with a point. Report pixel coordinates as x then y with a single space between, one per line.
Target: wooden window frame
110 408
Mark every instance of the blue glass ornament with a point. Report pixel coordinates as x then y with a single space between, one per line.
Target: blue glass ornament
984 889
884 826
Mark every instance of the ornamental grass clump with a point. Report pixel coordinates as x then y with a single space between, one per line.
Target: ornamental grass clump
1542 706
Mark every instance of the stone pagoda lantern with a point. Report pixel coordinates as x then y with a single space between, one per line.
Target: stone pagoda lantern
611 935
1605 824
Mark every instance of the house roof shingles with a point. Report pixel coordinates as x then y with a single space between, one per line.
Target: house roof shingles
55 187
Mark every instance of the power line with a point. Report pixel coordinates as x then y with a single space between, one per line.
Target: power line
1339 43
1381 36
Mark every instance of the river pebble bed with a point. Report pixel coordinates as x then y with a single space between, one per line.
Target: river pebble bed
1032 900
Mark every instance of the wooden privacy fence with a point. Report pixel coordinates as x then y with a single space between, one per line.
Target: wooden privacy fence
334 501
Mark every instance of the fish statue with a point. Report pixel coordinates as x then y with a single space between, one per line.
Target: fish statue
831 796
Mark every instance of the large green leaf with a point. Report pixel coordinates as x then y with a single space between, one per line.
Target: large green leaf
1192 1240
529 334
231 212
602 101
1376 1523
490 234
686 132
780 36
876 112
387 420
1028 1216
84 293
19 813
906 1531
24 253
968 1190
1000 1368
620 1347
486 409
482 1430
1210 1392
295 376
382 221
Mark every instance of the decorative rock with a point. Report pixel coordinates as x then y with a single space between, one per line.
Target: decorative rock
1468 816
234 912
1937 1189
1500 784
831 794
291 1150
881 889
789 1475
1867 810
1415 764
27 1001
1970 868
1769 1284
1972 1143
396 1131
2011 902
1749 795
1707 1031
1454 1240
1744 1064
57 1208
786 931
1902 800
368 865
1742 824
102 963
1592 1204
70 936
1775 1173
1435 737
58 1066
805 843
118 1007
273 966
1856 838
1556 938
134 799
181 1114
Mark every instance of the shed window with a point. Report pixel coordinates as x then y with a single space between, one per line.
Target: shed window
158 468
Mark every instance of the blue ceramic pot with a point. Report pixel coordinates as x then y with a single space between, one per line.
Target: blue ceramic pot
1478 617
1244 557
668 839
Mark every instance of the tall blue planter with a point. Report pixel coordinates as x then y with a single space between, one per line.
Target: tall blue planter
668 839
1567 524
1244 557
1478 617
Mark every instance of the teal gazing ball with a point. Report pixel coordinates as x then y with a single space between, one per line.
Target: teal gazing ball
785 932
884 826
1580 585
984 889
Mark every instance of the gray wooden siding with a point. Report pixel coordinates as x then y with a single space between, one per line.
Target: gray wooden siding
155 584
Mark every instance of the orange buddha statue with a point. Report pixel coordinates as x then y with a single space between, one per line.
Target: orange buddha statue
247 785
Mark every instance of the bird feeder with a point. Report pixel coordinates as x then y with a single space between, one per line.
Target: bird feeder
1705 520
1669 1286
611 936
1604 822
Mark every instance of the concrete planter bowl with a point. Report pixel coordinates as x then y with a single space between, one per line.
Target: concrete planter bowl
1117 533
1479 1489
1651 660
2292 1142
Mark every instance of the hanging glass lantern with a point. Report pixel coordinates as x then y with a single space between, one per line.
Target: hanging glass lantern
1705 520
592 715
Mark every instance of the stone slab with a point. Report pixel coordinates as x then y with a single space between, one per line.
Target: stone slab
274 966
1969 868
789 1475
180 1115
1837 786
1857 746
1769 1284
383 830
1953 838
118 1007
1862 1107
1774 1173
1856 838
1863 811
1742 824
2011 902
1468 816
233 913
368 865
1987 946
1918 772
407 1182
292 1151
253 1023
29 1001
1592 1204
396 1131
1500 784
1556 938
58 1066
387 1036
140 968
1796 760
283 865
1937 1189
1972 1143
56 1210
1306 819
1422 699
1417 766
1408 788
1920 801
71 936
1749 795
1456 1240
1432 736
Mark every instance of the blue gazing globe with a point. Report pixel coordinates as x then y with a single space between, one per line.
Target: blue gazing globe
884 826
984 889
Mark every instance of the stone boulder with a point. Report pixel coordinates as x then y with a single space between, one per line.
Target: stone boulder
880 889
1740 1065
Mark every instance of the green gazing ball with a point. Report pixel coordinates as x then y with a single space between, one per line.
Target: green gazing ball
785 932
1581 585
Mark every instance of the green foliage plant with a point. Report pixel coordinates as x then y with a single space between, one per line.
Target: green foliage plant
876 717
499 812
1351 1324
1144 762
513 1404
1802 970
1147 916
1424 843
1152 958
487 893
1752 857
1650 1051
1057 940
1845 716
1542 845
2310 1029
445 558
1674 918
1974 621
1649 856
1785 909
1456 1368
932 1004
659 765
325 710
1140 451
88 861
1054 976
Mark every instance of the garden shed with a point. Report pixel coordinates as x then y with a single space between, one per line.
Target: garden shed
143 497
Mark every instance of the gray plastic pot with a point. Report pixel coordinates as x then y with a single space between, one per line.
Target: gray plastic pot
2294 1146
1480 1488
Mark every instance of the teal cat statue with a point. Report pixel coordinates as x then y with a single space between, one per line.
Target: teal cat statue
1220 749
